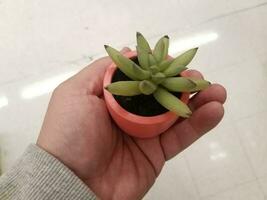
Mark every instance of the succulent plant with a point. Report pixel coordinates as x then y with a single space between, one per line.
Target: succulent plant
157 74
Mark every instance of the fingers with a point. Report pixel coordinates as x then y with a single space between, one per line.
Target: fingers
207 112
215 92
125 49
183 134
91 77
192 73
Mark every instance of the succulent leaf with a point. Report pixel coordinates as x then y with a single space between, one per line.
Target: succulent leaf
172 103
158 78
142 42
142 56
132 70
201 84
152 60
142 74
185 58
181 61
123 63
174 71
113 53
179 84
161 49
147 87
124 88
165 64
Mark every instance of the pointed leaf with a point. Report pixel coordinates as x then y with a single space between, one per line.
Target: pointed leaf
174 71
152 60
142 42
132 70
123 63
147 87
113 53
142 74
200 84
142 56
179 84
185 58
158 78
172 103
124 88
181 61
165 64
161 49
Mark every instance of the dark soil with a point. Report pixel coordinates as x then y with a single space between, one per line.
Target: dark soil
143 105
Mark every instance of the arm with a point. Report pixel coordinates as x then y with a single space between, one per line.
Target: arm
39 175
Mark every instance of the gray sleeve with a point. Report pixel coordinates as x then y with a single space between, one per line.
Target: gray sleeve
38 175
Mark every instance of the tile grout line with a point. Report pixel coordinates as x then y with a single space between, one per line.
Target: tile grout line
93 56
200 196
247 157
153 37
195 184
231 13
218 192
255 178
192 176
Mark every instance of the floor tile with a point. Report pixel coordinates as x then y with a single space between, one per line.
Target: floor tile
252 132
202 11
215 161
242 81
263 184
175 182
247 191
36 37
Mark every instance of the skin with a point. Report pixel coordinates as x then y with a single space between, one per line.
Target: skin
78 131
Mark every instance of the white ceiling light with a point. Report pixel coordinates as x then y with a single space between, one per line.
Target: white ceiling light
3 101
190 42
45 86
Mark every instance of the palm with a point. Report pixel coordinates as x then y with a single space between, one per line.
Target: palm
118 164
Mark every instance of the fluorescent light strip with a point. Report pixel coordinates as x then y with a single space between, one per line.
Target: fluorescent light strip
3 101
45 86
191 42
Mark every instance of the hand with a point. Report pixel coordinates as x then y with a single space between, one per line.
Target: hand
78 130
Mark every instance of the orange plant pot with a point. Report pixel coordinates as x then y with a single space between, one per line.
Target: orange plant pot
132 124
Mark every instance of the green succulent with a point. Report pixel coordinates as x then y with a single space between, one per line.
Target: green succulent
156 74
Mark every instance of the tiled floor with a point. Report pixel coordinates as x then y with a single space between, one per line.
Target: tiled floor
43 42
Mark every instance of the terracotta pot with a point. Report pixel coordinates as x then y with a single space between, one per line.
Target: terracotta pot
135 125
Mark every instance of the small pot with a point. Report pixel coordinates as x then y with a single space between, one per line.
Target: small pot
135 125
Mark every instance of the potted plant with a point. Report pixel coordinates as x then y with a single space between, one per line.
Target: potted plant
145 90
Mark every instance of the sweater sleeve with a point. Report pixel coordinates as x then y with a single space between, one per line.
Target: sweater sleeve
39 175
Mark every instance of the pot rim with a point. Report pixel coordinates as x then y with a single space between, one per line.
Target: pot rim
126 114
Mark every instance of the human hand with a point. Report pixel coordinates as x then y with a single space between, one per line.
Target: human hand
78 130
